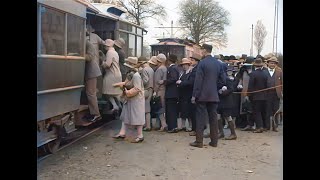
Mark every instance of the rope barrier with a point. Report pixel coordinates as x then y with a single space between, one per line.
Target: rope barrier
257 90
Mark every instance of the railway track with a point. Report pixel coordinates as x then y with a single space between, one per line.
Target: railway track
73 137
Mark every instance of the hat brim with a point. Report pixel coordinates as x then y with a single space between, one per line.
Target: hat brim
142 62
185 63
117 44
128 65
195 58
272 61
151 62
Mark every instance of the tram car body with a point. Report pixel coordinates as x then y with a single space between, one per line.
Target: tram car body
180 47
61 61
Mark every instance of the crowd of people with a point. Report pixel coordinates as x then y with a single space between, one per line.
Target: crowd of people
201 92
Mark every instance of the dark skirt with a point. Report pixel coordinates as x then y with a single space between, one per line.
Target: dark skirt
224 112
185 108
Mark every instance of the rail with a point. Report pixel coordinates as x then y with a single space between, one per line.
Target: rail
59 89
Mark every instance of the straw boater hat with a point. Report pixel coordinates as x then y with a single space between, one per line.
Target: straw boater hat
273 59
131 62
119 43
268 56
109 42
185 61
161 58
153 60
258 62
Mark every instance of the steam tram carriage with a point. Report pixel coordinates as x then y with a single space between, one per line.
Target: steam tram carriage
180 47
61 61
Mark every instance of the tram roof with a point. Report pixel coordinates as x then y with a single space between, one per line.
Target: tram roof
110 11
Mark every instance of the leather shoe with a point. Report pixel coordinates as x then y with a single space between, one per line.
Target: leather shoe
196 144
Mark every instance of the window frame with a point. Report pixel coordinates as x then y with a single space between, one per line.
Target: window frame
39 41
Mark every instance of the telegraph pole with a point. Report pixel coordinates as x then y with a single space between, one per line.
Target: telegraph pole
274 27
276 51
251 50
171 27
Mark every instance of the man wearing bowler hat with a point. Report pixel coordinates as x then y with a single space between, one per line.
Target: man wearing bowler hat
205 95
195 58
171 94
258 81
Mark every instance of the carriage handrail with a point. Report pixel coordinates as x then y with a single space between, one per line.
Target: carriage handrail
59 89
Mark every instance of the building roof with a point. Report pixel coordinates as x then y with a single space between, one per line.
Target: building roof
175 41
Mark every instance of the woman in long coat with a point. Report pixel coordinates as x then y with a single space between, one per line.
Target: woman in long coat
112 75
185 85
133 112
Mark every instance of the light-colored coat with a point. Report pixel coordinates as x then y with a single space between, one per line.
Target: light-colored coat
92 69
95 40
147 75
112 75
160 89
133 112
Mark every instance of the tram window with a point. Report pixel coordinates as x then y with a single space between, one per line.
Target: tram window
52 31
132 44
139 44
124 36
123 26
75 36
133 29
139 31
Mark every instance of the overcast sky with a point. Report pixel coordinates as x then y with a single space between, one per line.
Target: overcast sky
243 13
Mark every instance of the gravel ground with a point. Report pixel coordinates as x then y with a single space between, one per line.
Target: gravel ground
165 156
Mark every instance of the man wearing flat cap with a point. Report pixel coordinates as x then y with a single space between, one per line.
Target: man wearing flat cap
205 95
273 95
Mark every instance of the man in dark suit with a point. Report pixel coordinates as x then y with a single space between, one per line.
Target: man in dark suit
258 81
273 95
205 95
195 58
172 94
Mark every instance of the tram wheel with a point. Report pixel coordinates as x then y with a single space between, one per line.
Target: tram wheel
53 146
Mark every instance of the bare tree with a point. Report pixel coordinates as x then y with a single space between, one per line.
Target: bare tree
205 20
139 10
260 33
